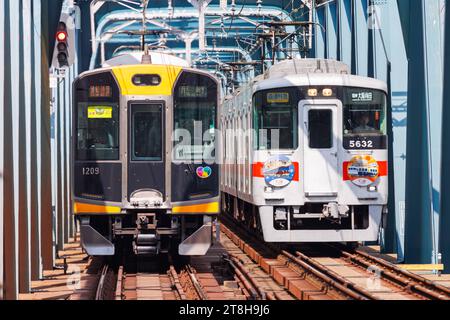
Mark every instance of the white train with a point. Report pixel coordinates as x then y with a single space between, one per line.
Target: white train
304 150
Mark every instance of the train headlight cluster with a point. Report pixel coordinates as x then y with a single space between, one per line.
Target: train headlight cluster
372 188
146 80
327 92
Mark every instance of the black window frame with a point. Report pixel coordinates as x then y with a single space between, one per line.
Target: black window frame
189 78
261 97
318 146
78 151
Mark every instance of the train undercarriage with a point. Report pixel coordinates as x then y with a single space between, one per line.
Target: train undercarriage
146 233
313 222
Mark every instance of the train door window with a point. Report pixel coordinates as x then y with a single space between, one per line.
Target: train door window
97 136
147 133
320 126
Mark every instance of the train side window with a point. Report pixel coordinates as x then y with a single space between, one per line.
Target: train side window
147 142
320 123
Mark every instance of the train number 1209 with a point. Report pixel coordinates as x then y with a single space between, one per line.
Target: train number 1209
91 171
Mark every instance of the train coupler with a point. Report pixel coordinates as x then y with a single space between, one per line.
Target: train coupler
147 241
146 244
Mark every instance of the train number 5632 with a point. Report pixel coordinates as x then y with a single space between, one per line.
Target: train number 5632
361 144
91 171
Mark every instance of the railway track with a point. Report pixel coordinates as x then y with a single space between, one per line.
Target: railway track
106 287
333 273
150 279
301 280
191 284
405 280
170 278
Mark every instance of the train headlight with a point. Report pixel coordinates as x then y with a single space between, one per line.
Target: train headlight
327 92
268 189
372 188
313 92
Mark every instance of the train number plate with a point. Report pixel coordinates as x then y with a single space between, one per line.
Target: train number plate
91 171
365 143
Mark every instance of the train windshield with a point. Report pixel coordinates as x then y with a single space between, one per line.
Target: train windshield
364 112
97 132
276 119
195 117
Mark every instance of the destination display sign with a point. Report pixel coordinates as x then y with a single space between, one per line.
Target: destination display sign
362 96
193 92
278 97
100 91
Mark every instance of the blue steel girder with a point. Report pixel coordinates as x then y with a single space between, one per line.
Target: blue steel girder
423 174
444 224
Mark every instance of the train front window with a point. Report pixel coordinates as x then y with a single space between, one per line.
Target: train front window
97 132
364 112
364 118
147 142
195 118
276 119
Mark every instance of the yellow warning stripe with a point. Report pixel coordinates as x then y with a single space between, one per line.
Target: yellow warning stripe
83 208
212 208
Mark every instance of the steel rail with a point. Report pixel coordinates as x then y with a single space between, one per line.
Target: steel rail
100 292
405 279
329 278
198 288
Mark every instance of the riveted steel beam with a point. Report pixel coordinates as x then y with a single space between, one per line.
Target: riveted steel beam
444 234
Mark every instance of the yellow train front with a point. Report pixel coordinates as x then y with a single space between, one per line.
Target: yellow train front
144 170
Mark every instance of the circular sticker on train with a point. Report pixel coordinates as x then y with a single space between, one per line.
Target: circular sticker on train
279 171
204 172
363 170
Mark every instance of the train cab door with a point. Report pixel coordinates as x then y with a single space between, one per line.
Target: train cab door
320 146
146 168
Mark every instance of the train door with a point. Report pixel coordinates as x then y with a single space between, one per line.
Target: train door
146 168
320 149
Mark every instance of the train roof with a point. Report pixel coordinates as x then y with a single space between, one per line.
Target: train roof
321 79
314 72
157 58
